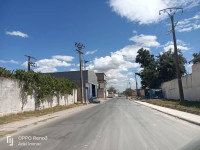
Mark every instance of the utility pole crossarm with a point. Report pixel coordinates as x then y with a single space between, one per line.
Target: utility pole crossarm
170 10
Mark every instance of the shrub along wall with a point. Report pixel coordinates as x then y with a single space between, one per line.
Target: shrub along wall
23 91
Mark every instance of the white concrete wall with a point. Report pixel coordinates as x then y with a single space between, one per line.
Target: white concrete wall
14 100
191 86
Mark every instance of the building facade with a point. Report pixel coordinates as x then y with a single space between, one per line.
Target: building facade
90 83
102 90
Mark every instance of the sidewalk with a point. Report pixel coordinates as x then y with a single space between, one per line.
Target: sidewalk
192 118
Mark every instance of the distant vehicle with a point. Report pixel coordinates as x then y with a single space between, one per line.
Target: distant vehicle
111 95
94 100
121 95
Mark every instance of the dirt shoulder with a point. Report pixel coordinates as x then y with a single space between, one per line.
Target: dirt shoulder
187 106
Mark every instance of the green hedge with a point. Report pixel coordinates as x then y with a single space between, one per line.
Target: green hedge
42 85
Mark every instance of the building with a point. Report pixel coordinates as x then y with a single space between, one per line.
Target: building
102 90
90 84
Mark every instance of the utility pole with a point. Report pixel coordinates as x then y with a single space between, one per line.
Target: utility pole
171 12
79 50
30 63
136 84
85 61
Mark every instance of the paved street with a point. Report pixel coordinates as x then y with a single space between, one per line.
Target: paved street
117 124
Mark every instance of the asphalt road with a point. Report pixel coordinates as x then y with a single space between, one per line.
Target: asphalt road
116 124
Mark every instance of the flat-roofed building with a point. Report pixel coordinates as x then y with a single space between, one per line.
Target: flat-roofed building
90 83
102 90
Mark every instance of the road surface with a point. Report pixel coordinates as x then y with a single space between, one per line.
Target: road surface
117 124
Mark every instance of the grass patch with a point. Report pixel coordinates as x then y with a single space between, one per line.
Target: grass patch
28 114
187 106
3 133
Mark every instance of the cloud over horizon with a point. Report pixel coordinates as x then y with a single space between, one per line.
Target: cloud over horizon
50 65
118 64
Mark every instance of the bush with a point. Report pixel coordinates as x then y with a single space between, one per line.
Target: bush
42 85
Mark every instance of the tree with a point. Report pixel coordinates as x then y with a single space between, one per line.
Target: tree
112 89
154 72
144 58
128 92
167 66
149 74
196 58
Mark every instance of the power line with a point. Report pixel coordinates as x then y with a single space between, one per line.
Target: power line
171 12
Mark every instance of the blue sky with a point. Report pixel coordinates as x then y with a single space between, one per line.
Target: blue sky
111 30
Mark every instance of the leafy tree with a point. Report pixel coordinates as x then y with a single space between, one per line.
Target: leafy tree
149 74
128 92
196 58
167 65
163 69
144 58
112 89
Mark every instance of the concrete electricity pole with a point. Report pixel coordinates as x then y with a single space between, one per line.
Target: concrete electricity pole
136 84
171 12
30 63
79 50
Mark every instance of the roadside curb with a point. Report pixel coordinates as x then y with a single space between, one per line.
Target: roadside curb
33 122
163 110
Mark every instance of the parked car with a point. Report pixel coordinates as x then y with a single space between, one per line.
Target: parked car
94 100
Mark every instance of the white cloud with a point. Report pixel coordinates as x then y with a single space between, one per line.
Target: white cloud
117 66
145 40
129 51
45 69
17 33
180 45
50 65
189 68
25 64
65 58
91 52
134 31
189 24
130 73
10 61
147 11
141 41
52 62
73 69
